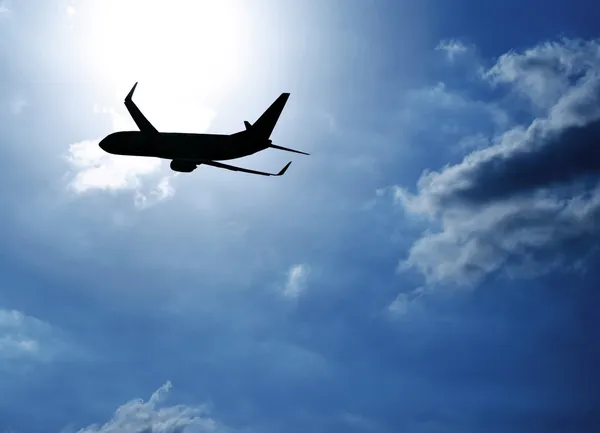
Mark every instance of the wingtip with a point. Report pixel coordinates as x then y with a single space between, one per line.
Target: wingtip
284 169
130 94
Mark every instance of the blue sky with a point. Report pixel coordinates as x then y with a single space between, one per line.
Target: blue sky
431 267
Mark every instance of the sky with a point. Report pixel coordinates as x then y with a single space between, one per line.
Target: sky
432 266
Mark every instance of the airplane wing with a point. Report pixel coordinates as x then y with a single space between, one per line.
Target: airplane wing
245 170
139 119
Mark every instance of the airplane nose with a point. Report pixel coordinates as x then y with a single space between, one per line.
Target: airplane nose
103 145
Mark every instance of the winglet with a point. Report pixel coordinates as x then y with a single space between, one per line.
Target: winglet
140 120
283 170
130 94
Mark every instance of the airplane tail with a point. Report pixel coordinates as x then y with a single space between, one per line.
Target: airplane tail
263 127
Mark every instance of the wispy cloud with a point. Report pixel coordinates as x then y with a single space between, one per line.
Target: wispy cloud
452 48
403 304
296 281
153 415
25 337
400 305
456 115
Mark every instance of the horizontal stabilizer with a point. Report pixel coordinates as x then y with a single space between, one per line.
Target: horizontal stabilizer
274 146
245 170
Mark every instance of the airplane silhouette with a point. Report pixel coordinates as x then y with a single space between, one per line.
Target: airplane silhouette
188 150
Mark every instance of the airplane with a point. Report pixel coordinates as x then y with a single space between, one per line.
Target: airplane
189 150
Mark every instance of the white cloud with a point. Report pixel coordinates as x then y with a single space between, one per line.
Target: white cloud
96 169
404 303
543 74
296 281
25 337
399 305
70 11
138 416
528 200
452 48
525 237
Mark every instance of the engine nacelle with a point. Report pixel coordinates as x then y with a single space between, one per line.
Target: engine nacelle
183 166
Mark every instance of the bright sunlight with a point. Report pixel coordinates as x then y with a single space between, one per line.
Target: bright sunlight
199 45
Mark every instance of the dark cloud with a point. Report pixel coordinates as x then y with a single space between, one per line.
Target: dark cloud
530 200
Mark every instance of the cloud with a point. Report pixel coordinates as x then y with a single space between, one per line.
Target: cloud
404 303
138 416
24 337
70 11
94 169
450 111
557 149
544 73
296 281
452 48
530 200
400 305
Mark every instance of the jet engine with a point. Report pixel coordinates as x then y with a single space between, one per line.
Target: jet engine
183 166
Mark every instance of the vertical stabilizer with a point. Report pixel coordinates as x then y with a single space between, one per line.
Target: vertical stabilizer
265 124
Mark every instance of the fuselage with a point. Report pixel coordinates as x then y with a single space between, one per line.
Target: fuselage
183 146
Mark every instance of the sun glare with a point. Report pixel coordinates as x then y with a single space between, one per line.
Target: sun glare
201 45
